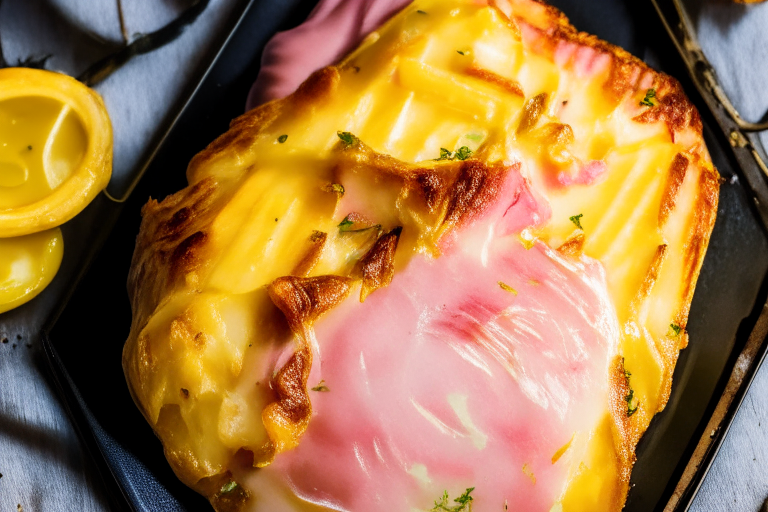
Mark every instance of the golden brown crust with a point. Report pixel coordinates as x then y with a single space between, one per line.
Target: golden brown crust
700 229
627 76
475 188
170 254
378 265
303 299
316 243
619 387
675 179
511 86
573 247
460 190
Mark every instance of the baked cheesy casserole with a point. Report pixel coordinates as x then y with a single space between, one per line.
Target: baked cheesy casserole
451 272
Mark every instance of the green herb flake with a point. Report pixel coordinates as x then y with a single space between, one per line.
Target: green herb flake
421 12
650 94
462 52
460 154
321 387
349 226
632 402
504 286
336 187
475 137
345 224
576 219
228 487
347 138
445 155
462 503
29 148
463 153
282 138
674 330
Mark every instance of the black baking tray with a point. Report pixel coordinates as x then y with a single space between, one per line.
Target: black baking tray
729 297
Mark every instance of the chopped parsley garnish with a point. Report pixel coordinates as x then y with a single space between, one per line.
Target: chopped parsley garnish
347 138
321 387
576 219
336 187
632 402
228 487
421 12
650 94
463 153
504 286
462 52
476 137
675 330
349 226
282 138
460 154
345 224
444 155
462 503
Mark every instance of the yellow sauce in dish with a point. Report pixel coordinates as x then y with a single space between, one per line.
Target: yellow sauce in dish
43 142
55 149
55 157
27 265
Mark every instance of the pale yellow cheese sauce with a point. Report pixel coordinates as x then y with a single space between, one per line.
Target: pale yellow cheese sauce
42 142
27 265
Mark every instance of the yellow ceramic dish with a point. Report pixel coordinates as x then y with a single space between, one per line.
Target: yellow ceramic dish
55 149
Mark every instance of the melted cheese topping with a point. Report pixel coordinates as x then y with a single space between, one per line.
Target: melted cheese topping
491 360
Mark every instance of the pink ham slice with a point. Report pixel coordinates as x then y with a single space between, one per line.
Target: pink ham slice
447 379
333 29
